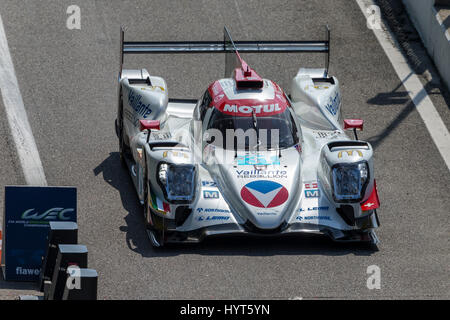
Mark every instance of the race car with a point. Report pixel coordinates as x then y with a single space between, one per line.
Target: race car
246 158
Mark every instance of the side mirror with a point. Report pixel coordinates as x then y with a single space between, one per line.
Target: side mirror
149 125
354 124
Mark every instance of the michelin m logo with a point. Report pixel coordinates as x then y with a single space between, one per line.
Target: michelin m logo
312 193
211 194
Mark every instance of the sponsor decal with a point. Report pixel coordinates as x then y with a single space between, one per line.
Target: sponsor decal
212 210
153 88
300 218
312 190
27 272
312 193
213 218
262 109
325 134
135 102
211 194
176 154
160 135
373 202
227 101
209 184
261 174
333 104
311 185
368 206
264 194
313 209
266 213
321 87
349 153
253 159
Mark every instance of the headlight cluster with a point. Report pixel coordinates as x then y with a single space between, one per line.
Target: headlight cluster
178 181
349 181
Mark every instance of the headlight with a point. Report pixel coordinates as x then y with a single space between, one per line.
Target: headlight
177 181
349 181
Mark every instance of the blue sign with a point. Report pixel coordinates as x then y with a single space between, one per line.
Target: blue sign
28 211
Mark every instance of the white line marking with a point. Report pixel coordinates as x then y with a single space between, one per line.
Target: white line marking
433 122
17 117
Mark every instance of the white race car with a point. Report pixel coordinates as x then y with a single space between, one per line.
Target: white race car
245 158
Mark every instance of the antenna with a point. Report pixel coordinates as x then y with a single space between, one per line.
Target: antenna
236 67
122 35
327 53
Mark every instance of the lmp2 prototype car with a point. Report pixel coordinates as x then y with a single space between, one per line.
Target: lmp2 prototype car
246 158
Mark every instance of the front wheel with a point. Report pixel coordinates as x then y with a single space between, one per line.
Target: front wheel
155 235
123 149
122 145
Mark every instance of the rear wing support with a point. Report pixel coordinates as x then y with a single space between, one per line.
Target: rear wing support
226 46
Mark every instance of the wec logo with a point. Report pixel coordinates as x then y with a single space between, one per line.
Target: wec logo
50 214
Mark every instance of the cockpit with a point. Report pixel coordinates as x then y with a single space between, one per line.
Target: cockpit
264 132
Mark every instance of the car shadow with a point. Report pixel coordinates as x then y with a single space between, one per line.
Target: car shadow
137 240
412 49
400 98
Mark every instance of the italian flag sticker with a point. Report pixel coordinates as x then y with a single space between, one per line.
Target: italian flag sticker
159 205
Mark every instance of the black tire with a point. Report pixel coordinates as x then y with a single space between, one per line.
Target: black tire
122 145
146 209
149 227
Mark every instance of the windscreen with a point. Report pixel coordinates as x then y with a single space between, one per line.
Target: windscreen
272 132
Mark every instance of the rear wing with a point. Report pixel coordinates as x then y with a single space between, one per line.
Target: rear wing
227 46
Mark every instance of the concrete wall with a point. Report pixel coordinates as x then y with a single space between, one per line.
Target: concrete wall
433 33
